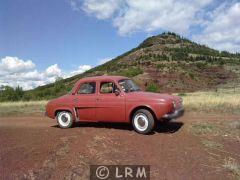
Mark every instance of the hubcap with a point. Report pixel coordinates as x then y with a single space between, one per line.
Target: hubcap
141 122
64 119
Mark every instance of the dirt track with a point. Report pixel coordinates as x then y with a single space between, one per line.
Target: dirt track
35 148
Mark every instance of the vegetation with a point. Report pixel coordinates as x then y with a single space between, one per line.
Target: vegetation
130 72
8 93
152 87
184 65
21 108
17 94
231 165
222 102
212 144
204 128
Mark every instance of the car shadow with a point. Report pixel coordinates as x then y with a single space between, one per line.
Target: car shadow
161 127
168 127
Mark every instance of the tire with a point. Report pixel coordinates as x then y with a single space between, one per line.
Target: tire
64 119
143 121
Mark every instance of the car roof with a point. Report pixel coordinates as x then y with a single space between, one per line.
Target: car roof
103 78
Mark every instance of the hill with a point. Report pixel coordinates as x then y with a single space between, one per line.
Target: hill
162 63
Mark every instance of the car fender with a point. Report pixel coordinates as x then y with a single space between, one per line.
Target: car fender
158 109
66 108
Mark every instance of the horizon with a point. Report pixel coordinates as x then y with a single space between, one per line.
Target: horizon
66 38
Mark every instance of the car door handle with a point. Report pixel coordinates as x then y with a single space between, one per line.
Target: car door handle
98 99
75 100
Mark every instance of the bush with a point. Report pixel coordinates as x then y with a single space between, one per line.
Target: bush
182 94
152 87
131 72
8 93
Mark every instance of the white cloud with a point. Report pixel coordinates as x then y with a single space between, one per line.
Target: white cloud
130 16
15 65
75 4
16 72
217 22
222 31
81 69
104 60
53 71
101 9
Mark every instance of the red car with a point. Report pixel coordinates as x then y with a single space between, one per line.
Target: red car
113 99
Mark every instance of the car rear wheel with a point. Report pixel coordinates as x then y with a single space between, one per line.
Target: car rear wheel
143 121
64 119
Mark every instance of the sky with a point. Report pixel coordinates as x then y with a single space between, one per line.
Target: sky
41 40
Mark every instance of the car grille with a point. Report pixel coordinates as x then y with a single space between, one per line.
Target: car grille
177 103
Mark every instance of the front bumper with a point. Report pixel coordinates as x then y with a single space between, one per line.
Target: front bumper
176 114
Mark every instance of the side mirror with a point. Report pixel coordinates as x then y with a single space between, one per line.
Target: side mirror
117 92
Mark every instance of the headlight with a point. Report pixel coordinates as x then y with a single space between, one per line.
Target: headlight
181 101
174 105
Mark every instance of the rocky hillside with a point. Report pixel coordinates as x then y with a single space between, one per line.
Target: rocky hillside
163 63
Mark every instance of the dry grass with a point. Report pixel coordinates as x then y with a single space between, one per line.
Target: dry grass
231 165
235 124
204 128
217 102
22 108
224 101
212 144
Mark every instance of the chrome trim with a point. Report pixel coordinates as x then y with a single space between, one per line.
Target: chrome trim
176 114
75 114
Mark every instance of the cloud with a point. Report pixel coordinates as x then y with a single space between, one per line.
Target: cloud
17 72
81 69
53 70
75 4
101 9
222 31
130 16
212 22
104 60
15 65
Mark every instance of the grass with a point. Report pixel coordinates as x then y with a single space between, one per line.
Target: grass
22 108
212 144
220 102
231 165
223 101
204 128
235 124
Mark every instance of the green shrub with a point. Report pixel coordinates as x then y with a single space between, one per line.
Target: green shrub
152 87
131 72
8 93
182 94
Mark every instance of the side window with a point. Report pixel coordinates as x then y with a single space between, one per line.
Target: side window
107 87
87 88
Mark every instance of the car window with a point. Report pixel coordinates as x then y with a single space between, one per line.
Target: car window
128 85
87 88
107 87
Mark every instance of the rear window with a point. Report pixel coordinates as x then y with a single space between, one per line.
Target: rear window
87 88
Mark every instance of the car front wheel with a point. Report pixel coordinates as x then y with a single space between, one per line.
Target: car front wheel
143 121
64 119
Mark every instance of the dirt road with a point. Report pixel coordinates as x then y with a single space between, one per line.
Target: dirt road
35 148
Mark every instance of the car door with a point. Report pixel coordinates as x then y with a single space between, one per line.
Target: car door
85 101
110 107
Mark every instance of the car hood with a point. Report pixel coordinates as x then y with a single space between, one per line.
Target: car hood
141 95
61 99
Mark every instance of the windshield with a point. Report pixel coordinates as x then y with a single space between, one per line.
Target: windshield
128 85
